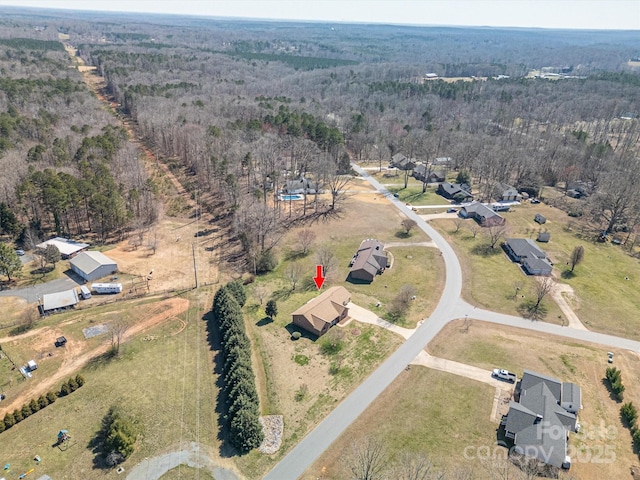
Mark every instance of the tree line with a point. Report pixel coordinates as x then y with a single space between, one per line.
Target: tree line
240 395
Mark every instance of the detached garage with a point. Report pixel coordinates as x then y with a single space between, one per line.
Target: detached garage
93 265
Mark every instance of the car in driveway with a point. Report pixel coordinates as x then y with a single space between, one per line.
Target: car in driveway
19 252
505 375
452 210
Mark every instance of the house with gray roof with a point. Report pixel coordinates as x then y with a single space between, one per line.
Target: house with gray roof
455 191
93 265
402 162
368 261
506 193
485 216
524 251
540 421
427 174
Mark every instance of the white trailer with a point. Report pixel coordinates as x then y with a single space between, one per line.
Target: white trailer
85 293
102 288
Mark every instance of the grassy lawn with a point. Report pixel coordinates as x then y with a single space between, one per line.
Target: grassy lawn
490 346
184 472
490 278
423 411
414 195
162 378
605 283
296 379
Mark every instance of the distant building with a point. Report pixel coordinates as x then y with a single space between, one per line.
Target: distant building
455 191
68 248
431 75
323 312
53 302
368 261
93 265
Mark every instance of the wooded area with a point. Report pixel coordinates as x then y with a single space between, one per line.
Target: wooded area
241 109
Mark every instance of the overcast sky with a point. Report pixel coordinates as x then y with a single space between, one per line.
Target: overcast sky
592 14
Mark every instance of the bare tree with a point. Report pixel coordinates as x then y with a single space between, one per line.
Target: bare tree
327 258
458 222
117 330
576 256
409 224
496 233
293 273
401 302
367 460
473 228
337 184
306 238
544 286
261 292
413 466
152 241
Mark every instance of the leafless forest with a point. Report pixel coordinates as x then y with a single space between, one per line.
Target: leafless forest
241 108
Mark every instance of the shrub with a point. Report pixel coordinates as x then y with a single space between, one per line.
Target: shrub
2 427
266 262
629 414
636 438
9 421
245 430
271 309
34 406
296 335
73 385
17 416
26 411
43 402
79 380
64 390
238 292
51 397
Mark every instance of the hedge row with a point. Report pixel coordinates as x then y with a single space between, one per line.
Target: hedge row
241 397
28 409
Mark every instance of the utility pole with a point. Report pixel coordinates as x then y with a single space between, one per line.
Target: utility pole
195 270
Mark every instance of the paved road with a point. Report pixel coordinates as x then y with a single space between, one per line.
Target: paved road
450 307
32 294
317 441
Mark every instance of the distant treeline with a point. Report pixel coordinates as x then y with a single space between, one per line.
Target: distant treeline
32 44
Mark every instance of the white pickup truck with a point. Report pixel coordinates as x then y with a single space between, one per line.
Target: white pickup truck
504 375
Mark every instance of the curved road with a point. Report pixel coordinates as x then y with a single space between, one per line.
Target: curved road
450 307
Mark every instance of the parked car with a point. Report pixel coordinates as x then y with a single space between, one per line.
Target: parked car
535 200
452 210
20 252
504 375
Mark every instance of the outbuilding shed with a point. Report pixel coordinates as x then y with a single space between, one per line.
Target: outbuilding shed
93 265
58 301
68 248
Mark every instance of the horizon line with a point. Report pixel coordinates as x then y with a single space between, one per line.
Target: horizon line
318 21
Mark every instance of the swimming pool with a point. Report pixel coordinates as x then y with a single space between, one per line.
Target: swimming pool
287 198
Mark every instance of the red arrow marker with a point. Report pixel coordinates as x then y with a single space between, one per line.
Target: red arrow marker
319 278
